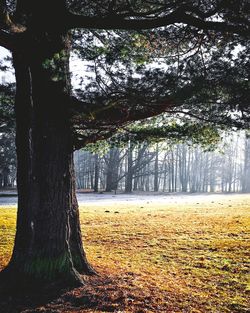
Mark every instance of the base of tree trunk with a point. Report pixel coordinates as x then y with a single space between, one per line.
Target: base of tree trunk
12 280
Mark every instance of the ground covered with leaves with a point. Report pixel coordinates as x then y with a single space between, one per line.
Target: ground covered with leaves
185 257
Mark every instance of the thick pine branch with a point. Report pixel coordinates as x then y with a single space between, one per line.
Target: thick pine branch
116 112
178 16
97 122
65 20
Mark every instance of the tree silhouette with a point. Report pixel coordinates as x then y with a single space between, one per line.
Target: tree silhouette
194 39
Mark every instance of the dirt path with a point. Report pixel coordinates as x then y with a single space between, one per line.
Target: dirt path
140 198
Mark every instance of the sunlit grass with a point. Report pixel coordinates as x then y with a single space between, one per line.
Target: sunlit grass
7 231
188 257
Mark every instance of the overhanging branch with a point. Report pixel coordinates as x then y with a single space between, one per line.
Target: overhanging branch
133 23
116 112
96 122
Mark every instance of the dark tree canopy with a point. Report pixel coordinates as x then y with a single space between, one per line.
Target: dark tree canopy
201 48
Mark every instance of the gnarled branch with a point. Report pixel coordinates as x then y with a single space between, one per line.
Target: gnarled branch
100 121
133 23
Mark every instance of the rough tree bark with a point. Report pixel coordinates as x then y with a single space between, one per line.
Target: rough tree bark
48 245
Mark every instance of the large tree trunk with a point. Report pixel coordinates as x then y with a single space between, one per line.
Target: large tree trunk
48 245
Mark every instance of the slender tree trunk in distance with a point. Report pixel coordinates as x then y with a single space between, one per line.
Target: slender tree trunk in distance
147 183
129 176
48 244
96 182
112 169
6 172
246 173
156 169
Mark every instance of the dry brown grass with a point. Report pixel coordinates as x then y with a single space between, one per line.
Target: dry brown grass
188 257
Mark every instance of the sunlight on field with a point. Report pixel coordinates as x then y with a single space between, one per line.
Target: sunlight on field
7 232
177 257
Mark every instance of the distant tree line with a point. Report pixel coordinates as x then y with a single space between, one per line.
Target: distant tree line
7 135
151 167
7 160
162 168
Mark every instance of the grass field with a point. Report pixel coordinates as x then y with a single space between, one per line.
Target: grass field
183 257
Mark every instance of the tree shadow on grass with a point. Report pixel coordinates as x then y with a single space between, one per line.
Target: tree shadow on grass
104 293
